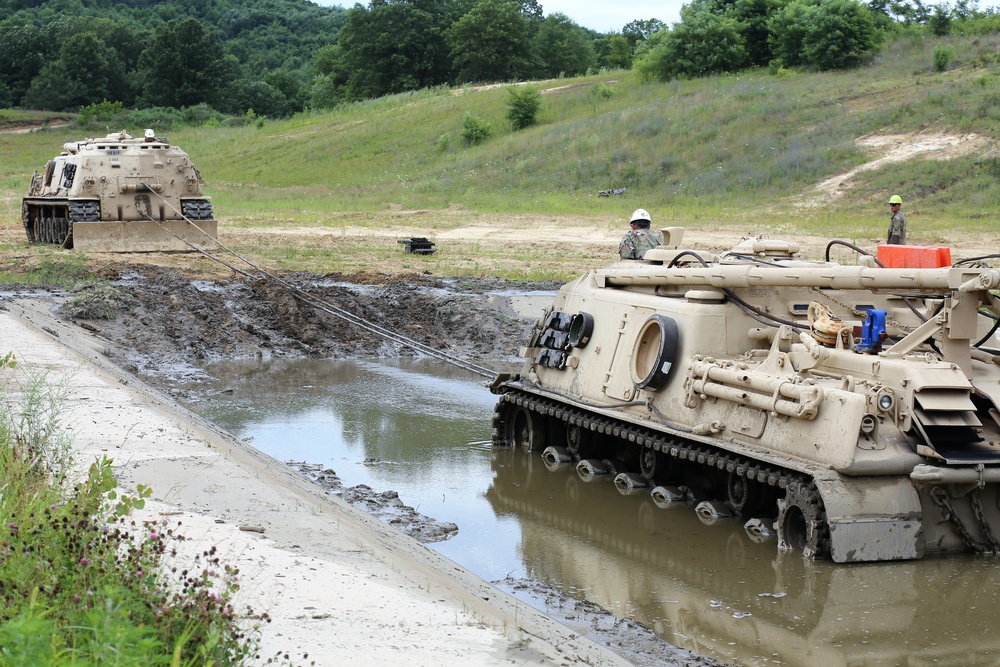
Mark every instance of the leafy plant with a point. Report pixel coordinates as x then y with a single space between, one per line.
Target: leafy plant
523 106
80 581
474 129
943 55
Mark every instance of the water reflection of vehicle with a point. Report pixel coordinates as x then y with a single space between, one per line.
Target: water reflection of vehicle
717 592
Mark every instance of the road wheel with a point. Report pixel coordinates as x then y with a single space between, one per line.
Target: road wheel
745 495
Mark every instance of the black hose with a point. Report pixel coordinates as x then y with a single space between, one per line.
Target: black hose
852 247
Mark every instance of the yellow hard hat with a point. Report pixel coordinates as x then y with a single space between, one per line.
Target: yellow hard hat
895 199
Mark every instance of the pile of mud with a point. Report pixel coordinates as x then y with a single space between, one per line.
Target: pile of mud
159 322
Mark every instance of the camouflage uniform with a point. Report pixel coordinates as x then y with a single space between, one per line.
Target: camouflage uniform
637 241
897 229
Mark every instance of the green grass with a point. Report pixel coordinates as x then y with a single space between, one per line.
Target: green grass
80 583
50 268
740 151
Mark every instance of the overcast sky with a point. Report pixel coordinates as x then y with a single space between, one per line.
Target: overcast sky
604 16
599 15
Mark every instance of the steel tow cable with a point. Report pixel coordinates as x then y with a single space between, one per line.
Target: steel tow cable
319 303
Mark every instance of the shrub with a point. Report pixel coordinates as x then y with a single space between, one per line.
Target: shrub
103 112
601 91
523 106
82 583
475 130
943 55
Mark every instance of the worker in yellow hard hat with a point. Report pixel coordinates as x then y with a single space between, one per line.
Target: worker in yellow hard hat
897 224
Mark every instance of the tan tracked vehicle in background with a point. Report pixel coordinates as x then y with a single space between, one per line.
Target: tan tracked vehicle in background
119 194
854 409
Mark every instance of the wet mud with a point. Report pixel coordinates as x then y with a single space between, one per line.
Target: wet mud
385 505
165 323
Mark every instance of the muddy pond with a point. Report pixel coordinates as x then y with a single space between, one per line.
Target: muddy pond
422 429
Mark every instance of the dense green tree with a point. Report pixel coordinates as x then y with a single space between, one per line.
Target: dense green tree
826 34
562 47
752 18
639 30
838 34
788 33
184 65
23 52
86 70
324 92
613 51
492 42
395 46
702 43
531 9
290 86
940 21
263 98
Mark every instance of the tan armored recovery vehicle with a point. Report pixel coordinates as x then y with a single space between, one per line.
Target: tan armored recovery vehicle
854 409
119 194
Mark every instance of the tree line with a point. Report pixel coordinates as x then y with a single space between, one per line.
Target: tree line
278 57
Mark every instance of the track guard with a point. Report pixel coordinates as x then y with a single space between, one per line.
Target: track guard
872 519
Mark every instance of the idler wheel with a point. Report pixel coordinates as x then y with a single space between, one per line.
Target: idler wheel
527 430
802 522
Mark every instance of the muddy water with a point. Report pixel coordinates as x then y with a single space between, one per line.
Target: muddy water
421 428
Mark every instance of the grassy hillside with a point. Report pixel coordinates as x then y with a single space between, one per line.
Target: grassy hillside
743 151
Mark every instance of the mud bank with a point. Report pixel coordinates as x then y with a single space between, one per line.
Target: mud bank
162 322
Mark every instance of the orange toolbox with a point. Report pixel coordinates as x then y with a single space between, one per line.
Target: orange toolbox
914 256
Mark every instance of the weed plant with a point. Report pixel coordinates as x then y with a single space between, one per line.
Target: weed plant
80 582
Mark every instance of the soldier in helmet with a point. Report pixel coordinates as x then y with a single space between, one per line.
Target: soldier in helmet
897 224
150 136
640 238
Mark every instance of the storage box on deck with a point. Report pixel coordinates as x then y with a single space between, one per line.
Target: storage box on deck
914 256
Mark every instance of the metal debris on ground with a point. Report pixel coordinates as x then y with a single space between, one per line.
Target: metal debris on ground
615 191
418 245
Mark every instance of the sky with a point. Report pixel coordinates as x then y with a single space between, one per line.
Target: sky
604 16
599 15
